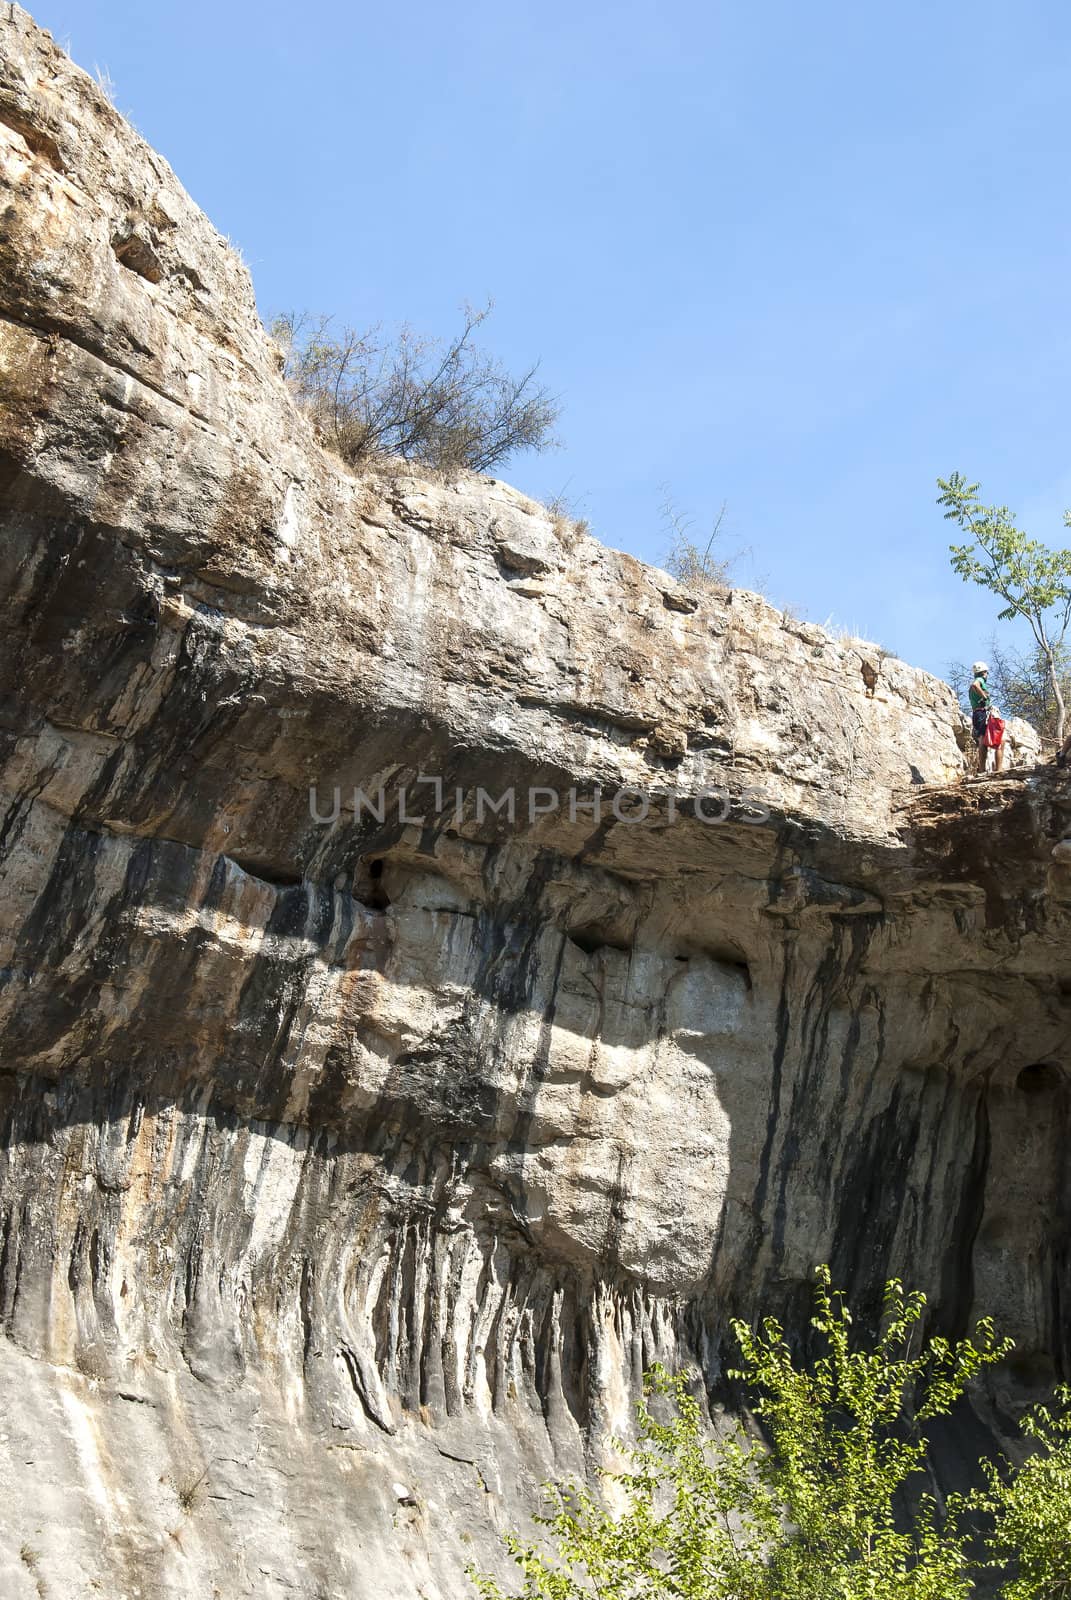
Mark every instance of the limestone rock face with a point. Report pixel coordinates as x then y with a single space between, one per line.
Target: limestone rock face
446 966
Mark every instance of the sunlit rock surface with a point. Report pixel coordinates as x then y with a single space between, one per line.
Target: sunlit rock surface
354 1169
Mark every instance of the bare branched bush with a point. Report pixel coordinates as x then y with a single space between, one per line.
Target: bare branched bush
189 1491
105 82
568 527
702 565
444 403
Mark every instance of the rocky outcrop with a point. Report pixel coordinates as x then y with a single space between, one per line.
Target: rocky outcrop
366 1131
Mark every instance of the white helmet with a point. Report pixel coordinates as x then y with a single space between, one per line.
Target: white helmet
980 667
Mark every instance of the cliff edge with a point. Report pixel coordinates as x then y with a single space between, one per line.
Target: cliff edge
446 965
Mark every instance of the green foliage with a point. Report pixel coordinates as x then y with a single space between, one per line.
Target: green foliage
1031 1508
673 1536
1025 573
811 1515
847 1436
1033 580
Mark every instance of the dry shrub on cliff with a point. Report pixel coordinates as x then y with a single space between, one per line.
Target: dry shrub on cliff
568 527
699 565
441 402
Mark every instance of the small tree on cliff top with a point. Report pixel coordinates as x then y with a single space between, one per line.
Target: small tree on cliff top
811 1516
445 403
1032 580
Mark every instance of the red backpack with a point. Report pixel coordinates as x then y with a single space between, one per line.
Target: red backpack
994 731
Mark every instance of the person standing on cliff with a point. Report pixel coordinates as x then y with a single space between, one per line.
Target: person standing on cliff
981 700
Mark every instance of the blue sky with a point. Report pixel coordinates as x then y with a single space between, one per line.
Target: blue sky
800 259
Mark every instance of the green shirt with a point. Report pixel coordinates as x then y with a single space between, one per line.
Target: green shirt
979 693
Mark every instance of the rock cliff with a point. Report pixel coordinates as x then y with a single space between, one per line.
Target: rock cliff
446 966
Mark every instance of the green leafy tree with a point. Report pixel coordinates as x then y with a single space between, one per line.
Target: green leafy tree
1033 581
695 1521
1031 1509
811 1513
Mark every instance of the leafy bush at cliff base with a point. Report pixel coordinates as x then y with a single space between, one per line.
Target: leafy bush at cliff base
1031 1509
811 1517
